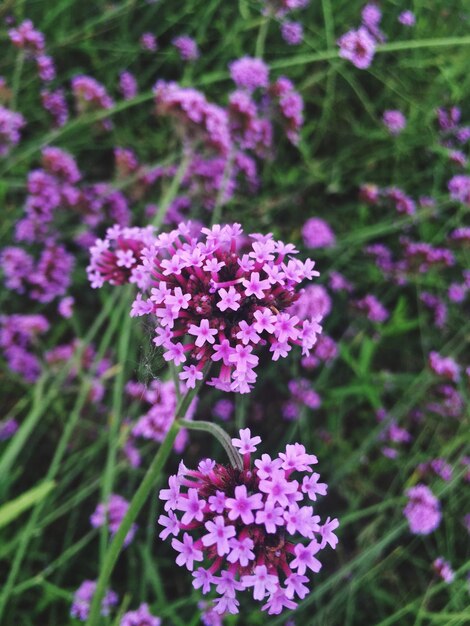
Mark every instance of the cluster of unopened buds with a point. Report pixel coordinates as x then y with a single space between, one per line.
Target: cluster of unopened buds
244 527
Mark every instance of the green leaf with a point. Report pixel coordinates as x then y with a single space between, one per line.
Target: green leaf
13 509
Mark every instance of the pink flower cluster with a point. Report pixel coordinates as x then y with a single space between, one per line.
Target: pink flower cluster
422 510
444 366
186 47
245 527
359 46
394 120
112 514
226 300
117 258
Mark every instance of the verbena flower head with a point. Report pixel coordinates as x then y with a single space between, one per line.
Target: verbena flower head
141 617
27 38
422 511
10 125
83 597
407 18
251 528
90 95
217 302
8 428
446 367
459 188
112 514
292 33
249 73
116 258
357 46
316 233
127 85
148 41
197 119
55 103
394 120
186 47
443 569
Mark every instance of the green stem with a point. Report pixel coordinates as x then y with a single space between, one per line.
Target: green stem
221 436
172 190
261 39
137 503
217 212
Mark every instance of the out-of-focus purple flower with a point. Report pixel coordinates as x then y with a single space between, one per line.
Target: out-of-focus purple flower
373 309
112 514
292 33
444 366
394 120
156 422
224 301
186 47
371 18
316 233
403 203
231 519
141 617
291 105
26 37
407 18
223 409
65 307
128 85
8 428
148 41
370 193
249 73
90 95
437 466
443 569
339 283
314 301
459 188
357 46
10 125
46 68
198 118
422 511
83 597
18 334
54 102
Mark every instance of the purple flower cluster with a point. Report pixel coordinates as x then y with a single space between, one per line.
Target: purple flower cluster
372 308
8 427
316 233
302 395
18 335
249 73
245 527
186 47
162 398
148 42
128 85
443 569
90 95
407 18
292 33
357 46
394 120
117 258
54 102
459 188
445 367
111 514
226 300
141 617
439 467
10 125
423 510
27 38
198 119
83 597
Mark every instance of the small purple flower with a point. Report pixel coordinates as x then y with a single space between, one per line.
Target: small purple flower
357 46
407 18
316 233
128 85
141 617
292 33
186 47
249 73
422 511
443 569
83 597
394 120
148 42
112 515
